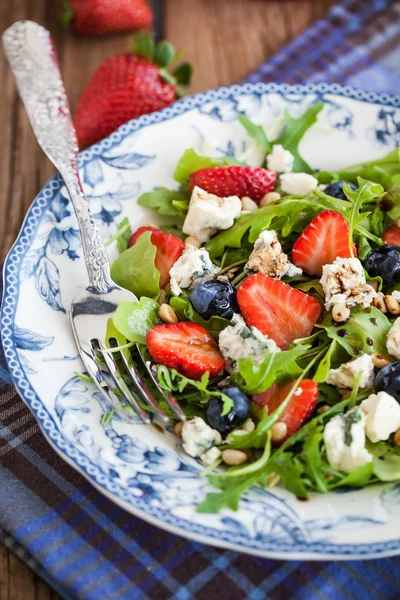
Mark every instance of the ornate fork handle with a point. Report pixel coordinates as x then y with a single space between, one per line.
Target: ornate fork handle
33 61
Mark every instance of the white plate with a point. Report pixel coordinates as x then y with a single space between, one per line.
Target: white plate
136 466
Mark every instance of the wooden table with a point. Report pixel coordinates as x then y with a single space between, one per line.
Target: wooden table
224 39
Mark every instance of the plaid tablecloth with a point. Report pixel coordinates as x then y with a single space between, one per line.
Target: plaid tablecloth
86 547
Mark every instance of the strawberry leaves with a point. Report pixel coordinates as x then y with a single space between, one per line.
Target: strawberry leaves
163 54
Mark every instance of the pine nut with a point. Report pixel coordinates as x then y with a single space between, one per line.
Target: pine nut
178 428
167 314
278 431
234 457
193 241
161 297
340 313
223 277
379 361
379 303
249 425
397 438
323 409
248 204
392 305
268 198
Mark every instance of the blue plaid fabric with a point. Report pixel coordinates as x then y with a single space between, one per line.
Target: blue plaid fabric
86 547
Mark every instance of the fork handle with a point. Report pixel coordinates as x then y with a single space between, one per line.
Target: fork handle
31 53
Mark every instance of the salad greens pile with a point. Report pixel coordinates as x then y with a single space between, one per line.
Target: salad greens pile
300 463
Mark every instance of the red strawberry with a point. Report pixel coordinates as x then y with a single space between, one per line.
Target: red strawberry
277 310
186 347
392 235
127 86
169 248
103 17
234 181
300 407
322 241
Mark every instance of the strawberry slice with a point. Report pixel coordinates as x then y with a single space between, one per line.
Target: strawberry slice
300 407
234 181
169 248
322 241
277 310
392 235
186 347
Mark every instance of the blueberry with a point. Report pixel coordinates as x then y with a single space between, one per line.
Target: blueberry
385 262
388 380
214 297
335 189
238 413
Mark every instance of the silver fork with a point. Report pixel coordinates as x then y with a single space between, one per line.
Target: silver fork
31 53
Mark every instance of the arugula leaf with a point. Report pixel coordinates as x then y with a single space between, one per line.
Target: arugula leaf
122 241
172 381
294 130
164 201
312 288
113 333
186 312
276 367
190 162
135 319
367 192
291 473
337 355
390 163
256 132
386 463
366 331
358 478
285 216
312 455
235 482
135 269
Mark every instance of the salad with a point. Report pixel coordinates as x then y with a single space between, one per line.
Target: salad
268 304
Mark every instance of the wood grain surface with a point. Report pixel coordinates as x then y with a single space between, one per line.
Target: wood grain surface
224 39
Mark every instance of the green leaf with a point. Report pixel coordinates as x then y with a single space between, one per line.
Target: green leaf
286 216
312 453
190 162
366 331
172 381
386 463
367 192
390 163
135 319
113 333
255 131
183 73
186 312
144 45
122 241
335 356
290 472
135 269
164 53
276 367
229 497
358 478
294 130
162 199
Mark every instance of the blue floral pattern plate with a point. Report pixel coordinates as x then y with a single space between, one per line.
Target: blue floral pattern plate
138 467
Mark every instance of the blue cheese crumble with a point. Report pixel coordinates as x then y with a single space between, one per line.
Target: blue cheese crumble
268 257
198 438
239 341
344 438
192 267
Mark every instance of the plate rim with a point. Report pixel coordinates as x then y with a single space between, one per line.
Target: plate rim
49 428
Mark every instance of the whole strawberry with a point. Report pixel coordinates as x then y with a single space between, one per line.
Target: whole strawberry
104 17
127 86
